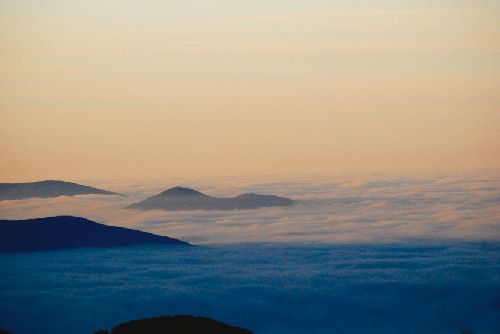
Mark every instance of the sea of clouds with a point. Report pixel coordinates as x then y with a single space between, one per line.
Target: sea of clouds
328 209
267 288
354 255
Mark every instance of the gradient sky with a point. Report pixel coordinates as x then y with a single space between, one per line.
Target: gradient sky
112 89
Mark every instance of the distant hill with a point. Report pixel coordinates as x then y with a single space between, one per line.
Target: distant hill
179 198
175 324
47 189
66 232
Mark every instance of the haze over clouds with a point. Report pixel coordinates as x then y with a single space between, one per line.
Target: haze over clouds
328 210
101 89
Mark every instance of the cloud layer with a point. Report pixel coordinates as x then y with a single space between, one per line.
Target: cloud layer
327 210
270 289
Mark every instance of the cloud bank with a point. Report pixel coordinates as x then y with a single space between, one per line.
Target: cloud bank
270 289
328 210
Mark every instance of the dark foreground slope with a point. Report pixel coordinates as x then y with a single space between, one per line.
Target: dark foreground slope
47 189
175 324
179 198
66 232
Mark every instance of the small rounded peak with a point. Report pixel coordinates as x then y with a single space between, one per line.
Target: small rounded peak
248 195
55 183
181 191
50 181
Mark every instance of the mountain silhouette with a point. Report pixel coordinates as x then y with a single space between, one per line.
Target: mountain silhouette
64 232
47 189
175 324
180 198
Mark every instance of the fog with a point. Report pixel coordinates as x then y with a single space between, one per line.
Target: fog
327 210
266 288
354 255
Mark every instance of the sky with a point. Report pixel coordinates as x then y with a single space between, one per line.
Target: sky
129 89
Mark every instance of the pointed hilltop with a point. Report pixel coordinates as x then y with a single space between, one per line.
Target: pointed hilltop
185 199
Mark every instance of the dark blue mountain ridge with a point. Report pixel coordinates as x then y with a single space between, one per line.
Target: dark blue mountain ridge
175 324
65 232
47 189
181 198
